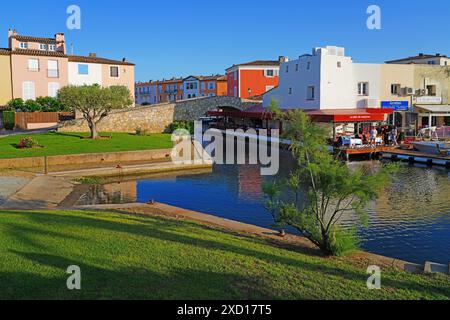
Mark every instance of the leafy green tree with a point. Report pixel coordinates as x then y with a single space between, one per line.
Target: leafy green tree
321 189
94 102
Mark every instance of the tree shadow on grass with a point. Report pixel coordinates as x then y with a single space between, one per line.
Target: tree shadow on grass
168 231
128 283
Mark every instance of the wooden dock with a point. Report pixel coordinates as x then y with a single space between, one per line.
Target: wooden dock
413 156
372 152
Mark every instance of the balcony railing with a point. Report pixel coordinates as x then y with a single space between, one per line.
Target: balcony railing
52 73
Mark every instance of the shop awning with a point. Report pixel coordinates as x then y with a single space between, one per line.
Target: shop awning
323 115
349 115
445 109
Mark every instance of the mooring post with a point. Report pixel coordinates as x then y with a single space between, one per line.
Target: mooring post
45 165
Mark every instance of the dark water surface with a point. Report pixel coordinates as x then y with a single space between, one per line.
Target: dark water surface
410 221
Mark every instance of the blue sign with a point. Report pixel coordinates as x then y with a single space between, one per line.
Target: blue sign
396 105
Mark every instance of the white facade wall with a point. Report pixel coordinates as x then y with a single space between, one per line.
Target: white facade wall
370 73
335 79
94 75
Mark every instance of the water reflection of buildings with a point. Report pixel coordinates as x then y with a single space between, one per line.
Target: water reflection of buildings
113 193
415 194
250 182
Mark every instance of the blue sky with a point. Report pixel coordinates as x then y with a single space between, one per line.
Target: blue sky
190 37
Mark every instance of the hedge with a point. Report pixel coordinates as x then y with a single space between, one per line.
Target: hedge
9 120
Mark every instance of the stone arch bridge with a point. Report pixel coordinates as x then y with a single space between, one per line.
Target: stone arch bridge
157 118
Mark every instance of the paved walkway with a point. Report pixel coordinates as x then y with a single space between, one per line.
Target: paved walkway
43 192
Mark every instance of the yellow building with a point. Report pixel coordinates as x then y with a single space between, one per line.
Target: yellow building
5 76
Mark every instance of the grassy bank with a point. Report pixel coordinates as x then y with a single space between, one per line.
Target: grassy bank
131 257
73 143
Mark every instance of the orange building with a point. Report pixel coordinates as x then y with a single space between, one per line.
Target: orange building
254 78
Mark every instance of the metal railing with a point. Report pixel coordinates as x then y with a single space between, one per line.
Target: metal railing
52 73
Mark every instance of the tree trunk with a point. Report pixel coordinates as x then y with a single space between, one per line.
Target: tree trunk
93 129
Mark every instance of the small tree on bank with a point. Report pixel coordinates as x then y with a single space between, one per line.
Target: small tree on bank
321 188
94 102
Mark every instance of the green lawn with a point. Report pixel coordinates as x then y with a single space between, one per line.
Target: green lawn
72 143
131 257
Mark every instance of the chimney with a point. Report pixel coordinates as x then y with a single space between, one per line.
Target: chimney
10 33
124 60
438 54
92 55
283 59
61 42
421 54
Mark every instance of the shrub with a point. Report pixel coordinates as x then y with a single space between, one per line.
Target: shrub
141 131
49 104
27 143
31 106
187 125
15 104
9 120
43 104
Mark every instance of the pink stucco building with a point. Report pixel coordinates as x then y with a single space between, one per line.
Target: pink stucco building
39 65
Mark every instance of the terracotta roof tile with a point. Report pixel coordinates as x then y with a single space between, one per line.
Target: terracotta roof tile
420 56
98 60
5 52
258 63
33 52
34 39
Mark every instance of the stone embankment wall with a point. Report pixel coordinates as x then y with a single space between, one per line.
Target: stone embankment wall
86 159
157 118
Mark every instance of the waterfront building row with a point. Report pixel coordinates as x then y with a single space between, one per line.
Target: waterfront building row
34 67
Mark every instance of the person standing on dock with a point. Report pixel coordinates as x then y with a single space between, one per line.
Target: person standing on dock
394 136
373 136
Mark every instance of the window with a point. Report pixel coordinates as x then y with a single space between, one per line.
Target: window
42 46
363 88
339 64
431 90
296 67
431 62
114 72
83 69
308 66
52 47
311 93
52 69
235 93
191 86
235 75
23 45
287 69
395 89
33 64
53 88
269 73
211 86
290 90
28 91
203 86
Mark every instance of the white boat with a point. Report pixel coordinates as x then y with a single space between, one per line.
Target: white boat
432 147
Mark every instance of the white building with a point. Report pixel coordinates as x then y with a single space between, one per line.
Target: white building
327 79
81 73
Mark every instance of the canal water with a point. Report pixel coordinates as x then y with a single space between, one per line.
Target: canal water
410 221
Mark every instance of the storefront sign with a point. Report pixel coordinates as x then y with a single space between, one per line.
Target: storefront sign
395 105
428 100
